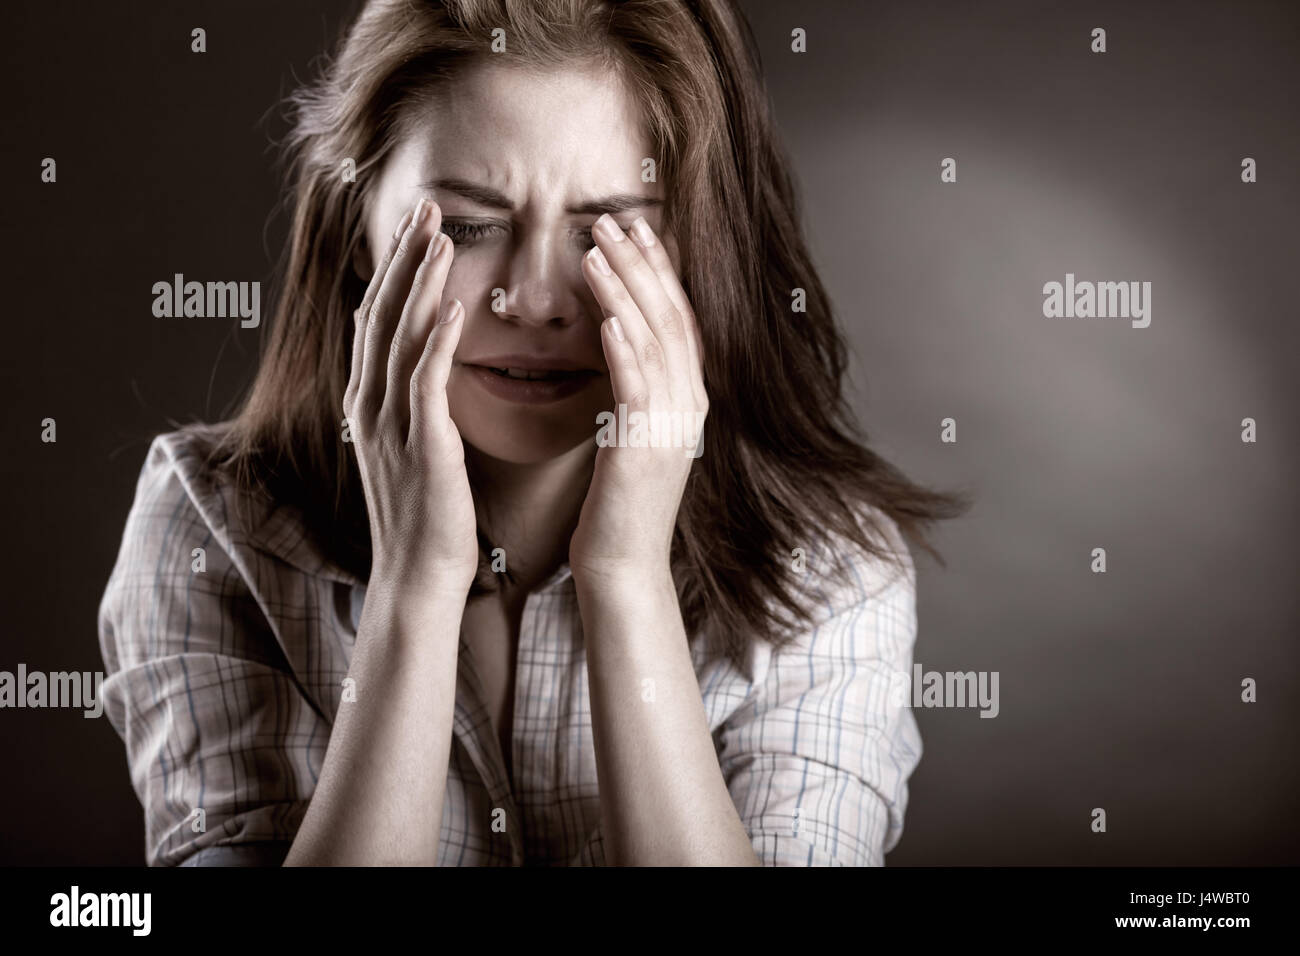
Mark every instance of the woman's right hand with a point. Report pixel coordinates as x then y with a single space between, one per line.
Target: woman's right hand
412 461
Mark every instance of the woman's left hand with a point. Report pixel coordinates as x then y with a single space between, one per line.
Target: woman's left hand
652 348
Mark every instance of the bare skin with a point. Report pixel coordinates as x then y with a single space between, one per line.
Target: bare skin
380 795
547 148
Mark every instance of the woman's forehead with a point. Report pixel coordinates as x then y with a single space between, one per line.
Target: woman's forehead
567 123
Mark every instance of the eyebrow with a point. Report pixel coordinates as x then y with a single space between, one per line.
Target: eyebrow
487 196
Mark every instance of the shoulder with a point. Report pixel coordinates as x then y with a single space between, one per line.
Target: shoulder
174 529
181 489
195 542
182 502
176 486
865 574
179 522
840 577
818 738
860 621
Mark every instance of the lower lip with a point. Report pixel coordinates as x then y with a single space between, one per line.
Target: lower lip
536 391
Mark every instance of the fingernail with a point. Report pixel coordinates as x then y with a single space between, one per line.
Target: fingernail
453 313
616 327
598 260
434 248
609 227
401 224
421 210
642 233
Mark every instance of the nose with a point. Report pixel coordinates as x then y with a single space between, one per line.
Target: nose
540 284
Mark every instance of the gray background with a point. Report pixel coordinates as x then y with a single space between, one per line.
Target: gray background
1119 690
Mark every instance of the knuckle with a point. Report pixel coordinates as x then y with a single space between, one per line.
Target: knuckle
626 361
643 268
670 321
353 433
419 388
652 355
364 408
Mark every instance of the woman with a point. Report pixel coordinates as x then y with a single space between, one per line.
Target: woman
401 608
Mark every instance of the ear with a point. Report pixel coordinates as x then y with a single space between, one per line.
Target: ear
362 263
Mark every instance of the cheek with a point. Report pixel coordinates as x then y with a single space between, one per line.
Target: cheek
468 279
373 249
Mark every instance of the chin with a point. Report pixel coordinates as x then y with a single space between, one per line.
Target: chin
525 435
525 448
522 433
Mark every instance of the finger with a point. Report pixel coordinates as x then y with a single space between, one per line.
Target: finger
360 318
652 374
656 253
418 318
625 378
386 309
381 269
358 356
428 388
633 279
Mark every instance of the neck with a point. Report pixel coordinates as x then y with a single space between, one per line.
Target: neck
531 510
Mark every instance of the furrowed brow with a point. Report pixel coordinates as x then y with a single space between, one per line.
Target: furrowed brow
487 196
613 204
474 192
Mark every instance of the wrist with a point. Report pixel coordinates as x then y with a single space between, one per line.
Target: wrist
406 615
407 581
639 577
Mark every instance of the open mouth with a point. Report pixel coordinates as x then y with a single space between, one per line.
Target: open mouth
530 385
534 375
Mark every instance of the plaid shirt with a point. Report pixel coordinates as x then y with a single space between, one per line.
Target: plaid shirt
224 684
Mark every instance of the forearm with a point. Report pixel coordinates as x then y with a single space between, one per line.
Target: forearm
662 795
380 794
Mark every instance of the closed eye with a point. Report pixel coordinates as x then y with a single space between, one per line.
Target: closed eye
464 232
468 231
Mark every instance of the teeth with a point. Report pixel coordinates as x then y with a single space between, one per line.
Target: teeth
524 373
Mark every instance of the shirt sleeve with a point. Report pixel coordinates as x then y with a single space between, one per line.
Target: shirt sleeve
222 746
817 759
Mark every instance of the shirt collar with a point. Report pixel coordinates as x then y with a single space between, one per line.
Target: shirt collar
283 534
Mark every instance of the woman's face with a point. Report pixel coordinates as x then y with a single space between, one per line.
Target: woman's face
520 163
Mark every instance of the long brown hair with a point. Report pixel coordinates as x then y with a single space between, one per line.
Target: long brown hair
784 464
